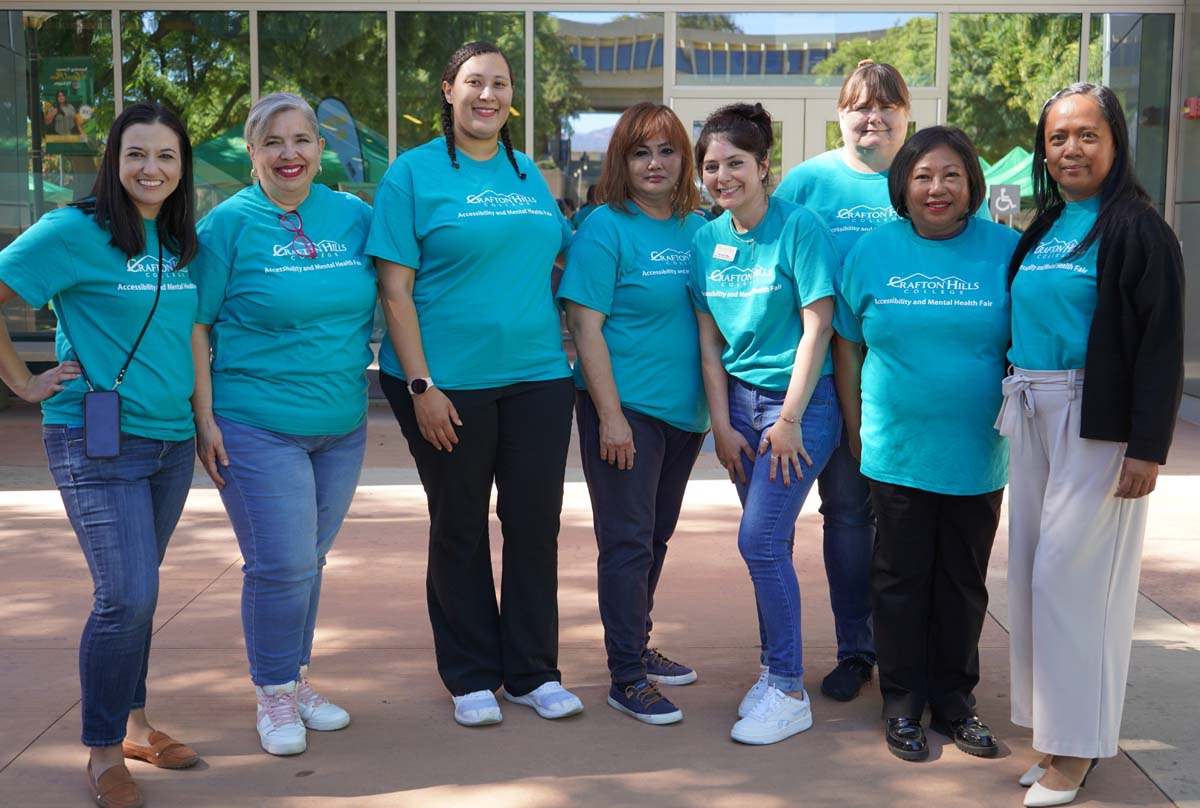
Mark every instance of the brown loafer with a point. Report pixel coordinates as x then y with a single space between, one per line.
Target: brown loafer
115 788
164 752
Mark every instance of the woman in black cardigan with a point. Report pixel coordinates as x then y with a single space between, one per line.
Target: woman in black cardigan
1097 306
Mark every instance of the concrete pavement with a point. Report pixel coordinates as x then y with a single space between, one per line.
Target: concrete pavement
374 657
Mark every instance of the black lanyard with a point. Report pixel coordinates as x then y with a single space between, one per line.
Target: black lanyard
137 342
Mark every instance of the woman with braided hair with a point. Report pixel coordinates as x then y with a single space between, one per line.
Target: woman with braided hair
465 232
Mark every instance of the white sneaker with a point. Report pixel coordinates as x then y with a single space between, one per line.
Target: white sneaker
776 716
476 709
280 729
756 692
551 700
316 711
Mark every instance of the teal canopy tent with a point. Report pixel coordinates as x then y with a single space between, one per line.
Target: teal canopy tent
52 192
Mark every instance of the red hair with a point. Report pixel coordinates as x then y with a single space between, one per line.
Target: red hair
644 123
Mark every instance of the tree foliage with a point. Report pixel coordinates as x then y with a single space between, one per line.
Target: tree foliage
910 47
1002 69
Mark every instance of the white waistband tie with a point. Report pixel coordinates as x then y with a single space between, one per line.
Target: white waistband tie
1018 386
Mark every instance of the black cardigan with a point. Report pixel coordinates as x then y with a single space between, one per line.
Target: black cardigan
1133 373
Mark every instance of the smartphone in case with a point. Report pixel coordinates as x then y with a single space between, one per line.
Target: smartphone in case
102 424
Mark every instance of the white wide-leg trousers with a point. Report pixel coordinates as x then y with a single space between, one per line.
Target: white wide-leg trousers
1074 556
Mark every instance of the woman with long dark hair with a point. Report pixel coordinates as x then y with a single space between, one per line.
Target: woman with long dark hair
465 233
1090 407
762 284
117 423
640 404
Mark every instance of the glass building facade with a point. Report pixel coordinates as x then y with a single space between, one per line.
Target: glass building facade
372 71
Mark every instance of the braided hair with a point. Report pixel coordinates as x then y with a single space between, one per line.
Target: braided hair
457 60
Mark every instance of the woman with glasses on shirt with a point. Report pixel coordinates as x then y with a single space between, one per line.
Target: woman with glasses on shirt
287 297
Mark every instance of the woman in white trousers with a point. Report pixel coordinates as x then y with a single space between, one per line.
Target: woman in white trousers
1089 410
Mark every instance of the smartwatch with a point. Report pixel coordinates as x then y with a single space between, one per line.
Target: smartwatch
418 386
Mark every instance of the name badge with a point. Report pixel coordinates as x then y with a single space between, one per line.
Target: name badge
725 252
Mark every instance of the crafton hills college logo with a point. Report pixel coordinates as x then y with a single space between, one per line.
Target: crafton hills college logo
671 256
920 282
495 199
866 213
148 264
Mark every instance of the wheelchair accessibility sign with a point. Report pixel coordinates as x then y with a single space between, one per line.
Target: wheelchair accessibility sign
1004 200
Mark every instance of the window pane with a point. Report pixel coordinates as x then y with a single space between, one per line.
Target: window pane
424 43
1131 53
69 57
1003 67
579 100
197 64
334 59
808 49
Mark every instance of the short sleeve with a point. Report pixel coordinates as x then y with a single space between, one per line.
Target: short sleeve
393 235
846 319
593 261
815 261
210 271
695 279
38 265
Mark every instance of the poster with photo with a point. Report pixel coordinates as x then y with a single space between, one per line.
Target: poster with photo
67 100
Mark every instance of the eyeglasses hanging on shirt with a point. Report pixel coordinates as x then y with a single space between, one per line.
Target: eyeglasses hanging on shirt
300 244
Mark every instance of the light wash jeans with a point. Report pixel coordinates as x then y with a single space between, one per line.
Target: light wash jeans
286 496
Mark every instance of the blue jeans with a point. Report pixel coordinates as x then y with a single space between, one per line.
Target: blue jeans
123 510
286 496
634 513
769 513
849 542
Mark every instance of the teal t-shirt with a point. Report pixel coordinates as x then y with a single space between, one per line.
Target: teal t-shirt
755 283
1054 294
104 297
483 243
851 203
934 316
290 334
634 269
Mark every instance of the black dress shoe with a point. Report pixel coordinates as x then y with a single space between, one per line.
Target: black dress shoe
970 735
844 681
906 739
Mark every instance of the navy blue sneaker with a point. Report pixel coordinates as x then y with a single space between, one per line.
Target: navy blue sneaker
642 700
663 671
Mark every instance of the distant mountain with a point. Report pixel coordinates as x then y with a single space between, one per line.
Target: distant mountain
594 141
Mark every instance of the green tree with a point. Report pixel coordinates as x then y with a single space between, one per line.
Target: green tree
1002 69
707 22
197 64
910 48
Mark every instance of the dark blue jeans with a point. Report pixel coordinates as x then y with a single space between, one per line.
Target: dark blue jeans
634 513
769 513
849 541
123 511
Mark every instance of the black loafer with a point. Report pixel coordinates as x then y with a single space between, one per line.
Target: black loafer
844 681
906 739
970 735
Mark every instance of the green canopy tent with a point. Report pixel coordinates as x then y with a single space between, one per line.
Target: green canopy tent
1014 168
222 166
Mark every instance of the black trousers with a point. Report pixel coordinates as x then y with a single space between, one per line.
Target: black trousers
928 582
516 436
634 513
